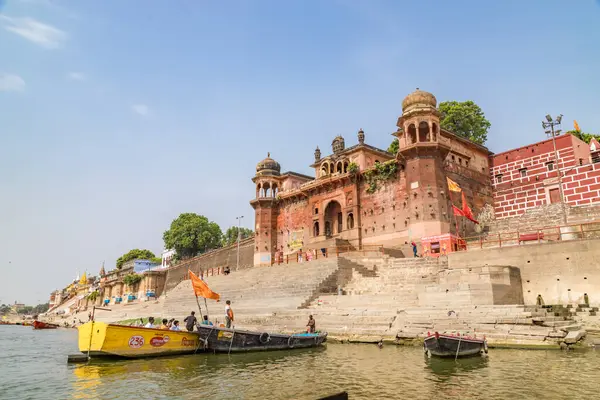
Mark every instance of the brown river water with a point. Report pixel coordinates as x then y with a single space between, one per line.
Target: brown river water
33 366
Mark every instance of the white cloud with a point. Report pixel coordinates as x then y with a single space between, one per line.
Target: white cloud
76 76
141 109
11 83
37 32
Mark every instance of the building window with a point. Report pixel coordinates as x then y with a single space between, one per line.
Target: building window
460 160
523 172
316 210
550 166
466 163
453 158
350 221
581 161
499 178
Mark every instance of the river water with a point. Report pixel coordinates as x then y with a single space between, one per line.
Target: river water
33 366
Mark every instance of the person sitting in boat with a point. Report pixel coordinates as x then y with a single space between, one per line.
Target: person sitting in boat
310 326
228 314
165 324
175 326
150 323
190 321
205 321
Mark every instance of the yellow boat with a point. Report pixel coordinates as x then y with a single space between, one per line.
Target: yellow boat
109 340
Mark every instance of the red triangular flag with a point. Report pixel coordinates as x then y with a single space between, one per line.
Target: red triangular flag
466 211
457 211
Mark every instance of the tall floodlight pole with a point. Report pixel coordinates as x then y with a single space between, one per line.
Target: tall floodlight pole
239 219
548 126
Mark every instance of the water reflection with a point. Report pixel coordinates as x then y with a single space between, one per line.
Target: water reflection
445 368
33 366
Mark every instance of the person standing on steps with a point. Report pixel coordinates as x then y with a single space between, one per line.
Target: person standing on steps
190 321
228 314
414 248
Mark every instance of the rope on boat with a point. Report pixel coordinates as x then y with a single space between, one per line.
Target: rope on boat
458 348
231 343
205 340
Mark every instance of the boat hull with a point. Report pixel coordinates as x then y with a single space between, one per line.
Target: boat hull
453 346
235 341
109 340
43 325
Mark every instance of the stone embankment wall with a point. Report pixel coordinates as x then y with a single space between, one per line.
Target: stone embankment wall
561 272
225 257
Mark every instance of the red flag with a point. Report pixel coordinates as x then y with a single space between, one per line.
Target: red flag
466 211
201 289
457 211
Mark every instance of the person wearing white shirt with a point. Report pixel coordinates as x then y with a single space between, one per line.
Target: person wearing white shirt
150 323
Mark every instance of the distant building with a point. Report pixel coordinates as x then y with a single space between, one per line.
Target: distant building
167 257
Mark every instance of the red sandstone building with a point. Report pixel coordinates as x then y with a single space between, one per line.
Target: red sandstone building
361 195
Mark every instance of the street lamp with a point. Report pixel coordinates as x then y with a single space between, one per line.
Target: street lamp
548 126
239 219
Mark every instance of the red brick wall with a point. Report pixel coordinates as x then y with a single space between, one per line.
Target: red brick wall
582 185
516 194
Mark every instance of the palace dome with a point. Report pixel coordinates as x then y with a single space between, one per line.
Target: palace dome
268 166
420 99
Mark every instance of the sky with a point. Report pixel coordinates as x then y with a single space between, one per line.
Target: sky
117 116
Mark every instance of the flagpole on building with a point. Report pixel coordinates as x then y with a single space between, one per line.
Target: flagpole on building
454 214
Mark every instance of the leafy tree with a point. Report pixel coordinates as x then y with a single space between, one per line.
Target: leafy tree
393 148
132 279
156 260
25 310
231 235
40 308
586 137
191 234
133 255
4 309
464 119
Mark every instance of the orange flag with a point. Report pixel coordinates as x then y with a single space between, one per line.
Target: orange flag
201 289
453 186
576 125
466 211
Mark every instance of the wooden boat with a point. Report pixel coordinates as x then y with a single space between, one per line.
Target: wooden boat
338 396
109 340
218 339
43 325
441 345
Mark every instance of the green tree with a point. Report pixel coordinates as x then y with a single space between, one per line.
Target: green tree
464 119
135 254
191 234
393 148
586 137
4 309
230 236
40 308
25 310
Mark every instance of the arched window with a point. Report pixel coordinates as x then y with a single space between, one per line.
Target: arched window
324 169
331 168
412 134
316 229
258 190
266 189
350 221
275 190
434 132
346 166
424 135
339 167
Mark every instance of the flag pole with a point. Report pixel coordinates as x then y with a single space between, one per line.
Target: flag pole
199 308
206 306
455 219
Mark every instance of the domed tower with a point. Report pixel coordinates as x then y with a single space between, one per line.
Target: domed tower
424 151
338 145
267 181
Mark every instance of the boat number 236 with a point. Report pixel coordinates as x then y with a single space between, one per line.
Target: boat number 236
135 342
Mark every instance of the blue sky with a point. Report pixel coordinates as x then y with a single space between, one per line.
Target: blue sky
116 116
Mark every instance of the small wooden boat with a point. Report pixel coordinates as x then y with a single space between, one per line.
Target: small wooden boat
100 339
225 340
453 346
338 396
43 325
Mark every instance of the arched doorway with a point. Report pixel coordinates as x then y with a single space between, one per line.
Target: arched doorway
333 218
